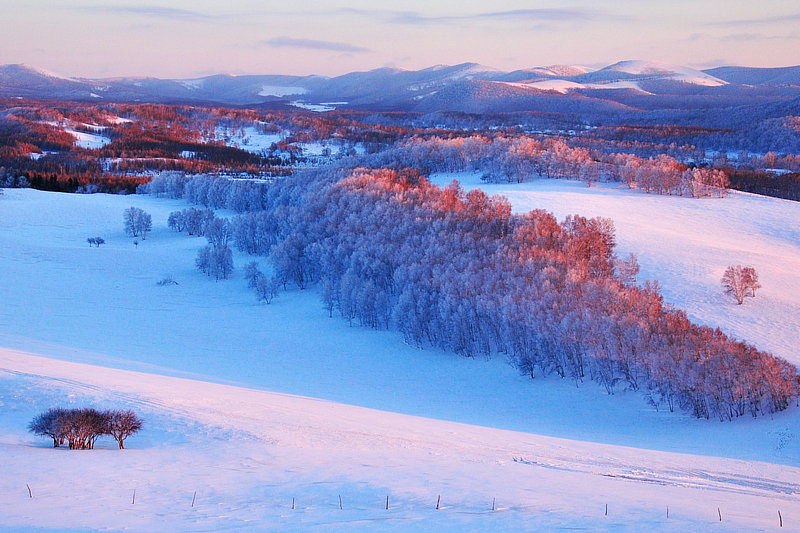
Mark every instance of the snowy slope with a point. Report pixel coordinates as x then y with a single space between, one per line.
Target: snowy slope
244 455
657 69
686 244
237 432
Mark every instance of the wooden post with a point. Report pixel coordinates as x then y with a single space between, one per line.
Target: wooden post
133 501
493 502
193 497
387 502
606 509
340 501
780 518
292 503
438 501
720 514
667 512
30 494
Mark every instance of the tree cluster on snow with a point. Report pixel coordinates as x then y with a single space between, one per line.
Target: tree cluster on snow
458 271
522 158
80 428
95 241
138 223
266 288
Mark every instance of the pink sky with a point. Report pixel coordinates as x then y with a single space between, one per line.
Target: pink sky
194 38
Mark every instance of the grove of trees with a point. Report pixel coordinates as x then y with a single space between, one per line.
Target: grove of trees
138 223
80 428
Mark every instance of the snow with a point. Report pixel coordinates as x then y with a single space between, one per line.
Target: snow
564 86
561 86
319 108
686 244
559 70
88 140
253 140
280 91
118 120
192 85
659 69
252 405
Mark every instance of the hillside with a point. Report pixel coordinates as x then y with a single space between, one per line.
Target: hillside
217 377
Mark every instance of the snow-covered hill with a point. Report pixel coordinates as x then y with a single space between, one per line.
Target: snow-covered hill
252 405
466 86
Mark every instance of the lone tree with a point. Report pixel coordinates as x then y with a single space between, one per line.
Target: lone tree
122 424
739 281
138 223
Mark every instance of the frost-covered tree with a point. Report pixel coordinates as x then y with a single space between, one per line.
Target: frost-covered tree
138 223
735 282
216 262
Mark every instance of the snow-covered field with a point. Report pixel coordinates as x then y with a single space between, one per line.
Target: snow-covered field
88 140
686 244
249 138
252 405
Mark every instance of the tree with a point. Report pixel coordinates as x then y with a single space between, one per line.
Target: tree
96 241
750 280
214 261
138 223
734 283
123 424
49 424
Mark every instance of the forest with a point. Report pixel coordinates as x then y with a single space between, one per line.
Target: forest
128 143
458 271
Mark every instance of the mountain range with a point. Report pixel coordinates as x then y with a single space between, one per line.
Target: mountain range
468 87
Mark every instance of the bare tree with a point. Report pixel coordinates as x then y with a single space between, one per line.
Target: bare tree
750 279
123 424
49 424
734 283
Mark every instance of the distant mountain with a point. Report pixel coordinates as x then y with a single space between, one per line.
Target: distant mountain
467 87
757 76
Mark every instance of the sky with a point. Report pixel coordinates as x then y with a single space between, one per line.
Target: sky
192 38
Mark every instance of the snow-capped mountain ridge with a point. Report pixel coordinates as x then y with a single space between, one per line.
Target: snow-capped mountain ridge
469 87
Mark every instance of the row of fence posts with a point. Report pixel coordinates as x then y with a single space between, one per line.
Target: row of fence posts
438 504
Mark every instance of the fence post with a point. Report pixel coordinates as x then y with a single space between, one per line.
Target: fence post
30 494
438 501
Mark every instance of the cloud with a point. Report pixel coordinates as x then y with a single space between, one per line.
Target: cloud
531 15
313 44
790 17
152 11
